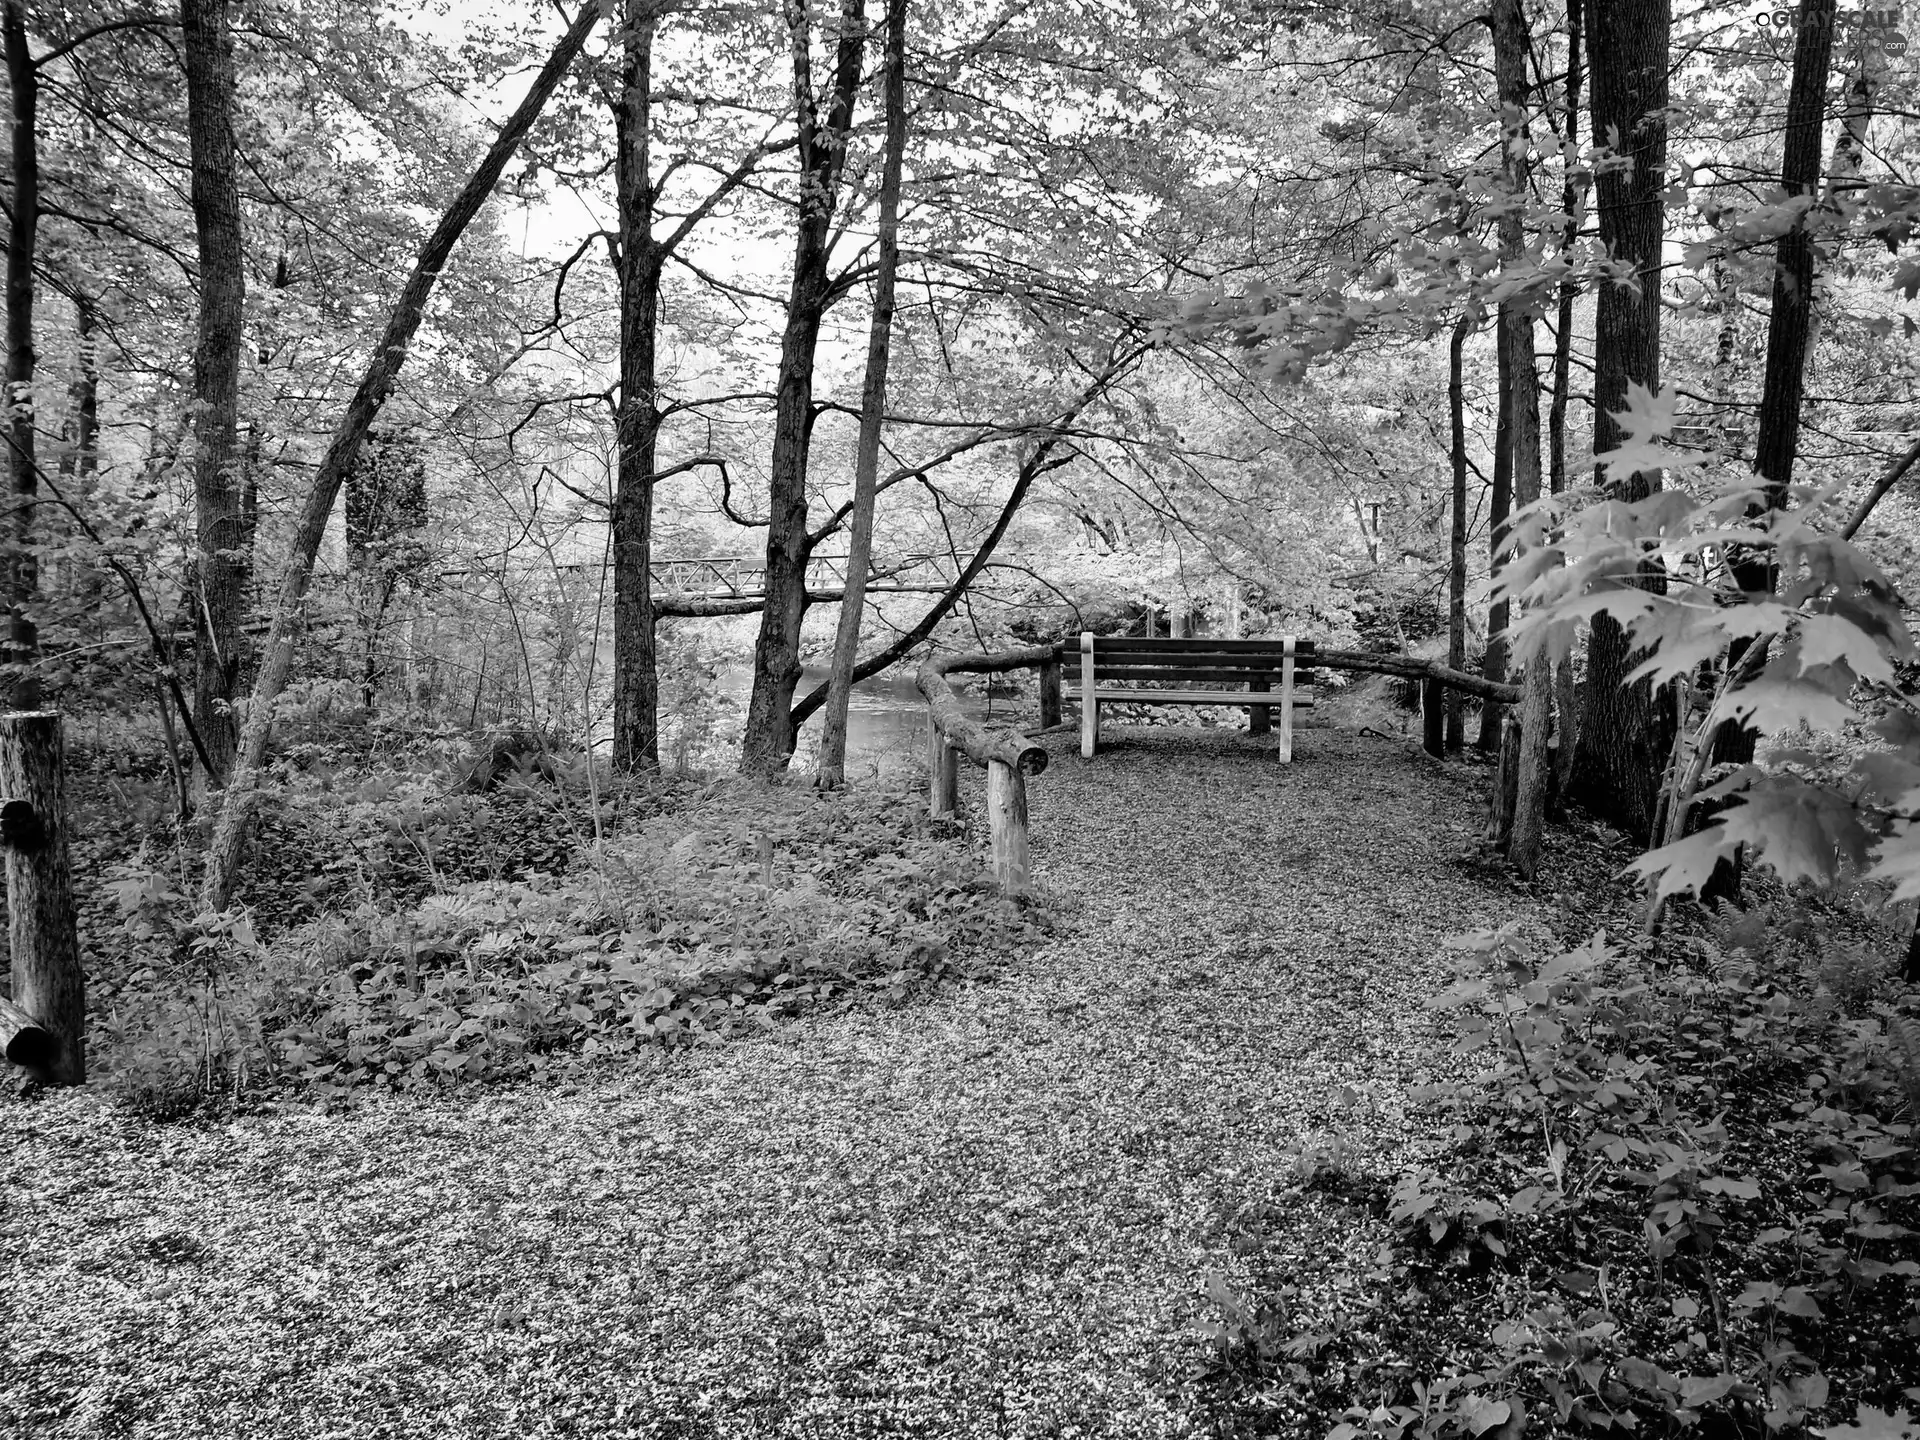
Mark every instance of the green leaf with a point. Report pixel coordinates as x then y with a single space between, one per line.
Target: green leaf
1871 1423
1698 1390
1825 639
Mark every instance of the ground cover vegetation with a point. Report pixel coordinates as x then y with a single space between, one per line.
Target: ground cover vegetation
454 461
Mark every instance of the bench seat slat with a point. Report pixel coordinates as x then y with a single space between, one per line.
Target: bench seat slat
1193 697
1117 644
1133 675
1199 659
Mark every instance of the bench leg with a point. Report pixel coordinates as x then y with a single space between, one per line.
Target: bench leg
1259 717
1089 707
1286 702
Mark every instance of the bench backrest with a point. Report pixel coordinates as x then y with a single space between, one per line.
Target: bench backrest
1129 660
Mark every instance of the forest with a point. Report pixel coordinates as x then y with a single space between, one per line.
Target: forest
565 570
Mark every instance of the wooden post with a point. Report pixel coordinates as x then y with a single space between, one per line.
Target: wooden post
1260 717
1149 604
1506 785
1433 700
1177 619
1089 706
943 774
1236 592
1286 699
1050 694
47 984
1007 822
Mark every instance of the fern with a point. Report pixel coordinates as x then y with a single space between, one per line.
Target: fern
1904 1033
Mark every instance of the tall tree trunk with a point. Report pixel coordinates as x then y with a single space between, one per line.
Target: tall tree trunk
1511 41
1617 764
80 444
1457 546
1572 201
822 154
1494 663
80 433
636 680
1789 336
23 478
1571 197
873 404
220 569
376 384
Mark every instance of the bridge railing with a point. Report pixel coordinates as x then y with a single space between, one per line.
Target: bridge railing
738 576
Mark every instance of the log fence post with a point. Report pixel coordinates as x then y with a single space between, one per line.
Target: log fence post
943 773
1433 716
1050 693
44 1024
1007 827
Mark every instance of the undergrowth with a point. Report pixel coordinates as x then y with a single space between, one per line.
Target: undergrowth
1678 1194
442 940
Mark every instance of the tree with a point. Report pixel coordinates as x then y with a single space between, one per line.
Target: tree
23 483
873 401
1520 403
822 154
639 259
220 569
376 385
1616 769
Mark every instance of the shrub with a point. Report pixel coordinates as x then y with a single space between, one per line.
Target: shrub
1680 1186
670 934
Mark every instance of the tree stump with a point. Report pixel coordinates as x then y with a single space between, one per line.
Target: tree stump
48 987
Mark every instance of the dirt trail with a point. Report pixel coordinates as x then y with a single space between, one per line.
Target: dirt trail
992 1214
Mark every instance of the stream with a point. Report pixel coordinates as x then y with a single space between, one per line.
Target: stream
886 715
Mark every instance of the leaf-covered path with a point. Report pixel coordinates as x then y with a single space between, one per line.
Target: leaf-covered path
991 1214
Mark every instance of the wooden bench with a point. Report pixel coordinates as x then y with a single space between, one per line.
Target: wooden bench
1112 669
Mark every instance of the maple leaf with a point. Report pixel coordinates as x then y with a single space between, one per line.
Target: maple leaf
1802 831
1686 864
1899 861
1825 639
1779 700
1648 419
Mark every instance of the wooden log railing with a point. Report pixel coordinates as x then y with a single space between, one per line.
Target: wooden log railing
1007 755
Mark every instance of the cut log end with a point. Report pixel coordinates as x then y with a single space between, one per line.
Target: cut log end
25 1041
